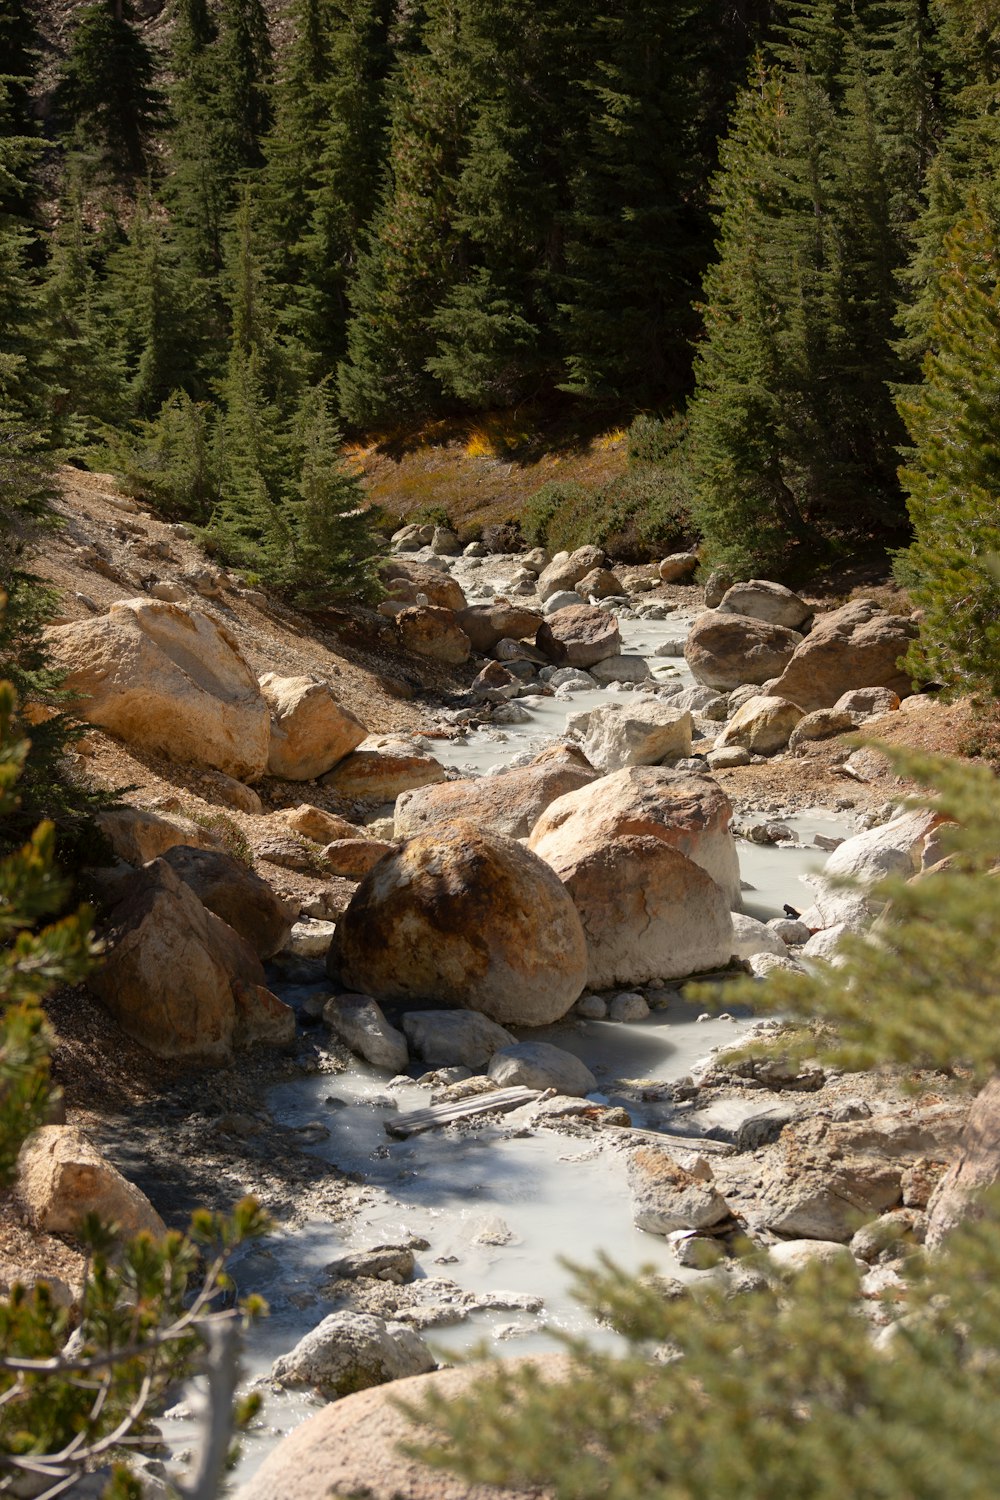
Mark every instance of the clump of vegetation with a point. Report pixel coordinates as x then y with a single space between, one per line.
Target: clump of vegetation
229 831
638 515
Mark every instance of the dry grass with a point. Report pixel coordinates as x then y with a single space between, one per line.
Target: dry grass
483 471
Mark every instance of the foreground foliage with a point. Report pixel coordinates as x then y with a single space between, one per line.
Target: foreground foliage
782 1388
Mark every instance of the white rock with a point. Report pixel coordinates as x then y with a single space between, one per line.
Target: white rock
628 1006
310 938
539 1065
794 1255
621 669
352 1351
643 734
446 1038
360 1023
751 936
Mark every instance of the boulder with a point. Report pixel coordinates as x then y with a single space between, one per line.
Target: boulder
727 758
751 936
351 1351
857 646
874 700
825 1196
168 678
792 1256
642 734
495 683
974 1171
137 835
716 585
454 1038
428 630
61 1178
621 669
232 793
353 858
696 699
766 601
562 599
467 918
356 1447
509 803
600 583
725 651
179 980
237 895
412 537
539 1065
405 580
487 624
821 724
564 572
679 567
318 825
893 848
310 730
579 636
649 910
667 1197
690 813
627 1007
380 773
359 1022
763 725
444 542
561 753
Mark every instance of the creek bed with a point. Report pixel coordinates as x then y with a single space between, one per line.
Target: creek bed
557 1194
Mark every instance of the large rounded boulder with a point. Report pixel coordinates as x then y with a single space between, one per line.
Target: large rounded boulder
632 852
466 918
762 600
488 624
858 646
579 636
170 679
690 813
725 650
310 730
509 803
416 582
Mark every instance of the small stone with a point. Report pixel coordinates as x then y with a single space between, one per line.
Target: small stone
629 1006
592 1008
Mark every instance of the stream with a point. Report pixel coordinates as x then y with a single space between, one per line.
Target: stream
498 1205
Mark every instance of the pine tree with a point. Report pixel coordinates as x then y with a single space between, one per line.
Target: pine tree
410 260
324 158
333 544
814 214
19 56
952 476
244 62
198 188
106 92
638 230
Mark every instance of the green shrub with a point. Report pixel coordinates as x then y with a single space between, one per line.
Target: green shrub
542 508
171 460
654 439
229 831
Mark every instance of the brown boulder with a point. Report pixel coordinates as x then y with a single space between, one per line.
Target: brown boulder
679 567
690 813
318 825
169 678
427 630
976 1168
858 646
564 572
310 730
487 624
579 636
599 583
353 858
405 580
762 725
138 835
509 803
382 769
61 1178
179 980
725 651
235 894
465 918
822 724
354 1447
650 862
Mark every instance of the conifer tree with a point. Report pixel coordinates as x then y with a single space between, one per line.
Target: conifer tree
19 44
952 476
244 61
198 188
410 259
106 91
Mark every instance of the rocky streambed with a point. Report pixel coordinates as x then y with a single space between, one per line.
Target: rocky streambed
454 1236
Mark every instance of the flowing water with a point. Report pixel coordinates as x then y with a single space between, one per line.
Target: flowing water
557 1195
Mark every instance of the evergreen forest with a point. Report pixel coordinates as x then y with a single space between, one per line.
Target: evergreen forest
764 235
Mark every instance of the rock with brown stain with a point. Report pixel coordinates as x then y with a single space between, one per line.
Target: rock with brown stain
466 918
